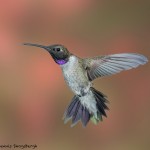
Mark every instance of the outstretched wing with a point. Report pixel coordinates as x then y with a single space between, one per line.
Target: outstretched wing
112 64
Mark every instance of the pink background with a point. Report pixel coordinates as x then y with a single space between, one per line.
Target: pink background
33 94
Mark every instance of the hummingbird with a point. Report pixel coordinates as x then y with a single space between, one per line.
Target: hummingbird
79 73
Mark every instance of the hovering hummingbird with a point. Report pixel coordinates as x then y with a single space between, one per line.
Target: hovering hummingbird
88 103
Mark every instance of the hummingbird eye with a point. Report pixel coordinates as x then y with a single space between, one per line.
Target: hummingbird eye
58 49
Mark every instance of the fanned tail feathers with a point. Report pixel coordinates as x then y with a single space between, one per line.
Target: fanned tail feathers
101 105
76 111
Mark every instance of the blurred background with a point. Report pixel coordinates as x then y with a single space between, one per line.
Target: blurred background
33 94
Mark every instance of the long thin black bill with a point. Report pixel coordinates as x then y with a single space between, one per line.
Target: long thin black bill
37 45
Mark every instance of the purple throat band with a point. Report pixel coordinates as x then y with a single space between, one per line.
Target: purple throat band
61 62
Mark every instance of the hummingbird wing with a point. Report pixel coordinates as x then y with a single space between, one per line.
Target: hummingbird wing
111 64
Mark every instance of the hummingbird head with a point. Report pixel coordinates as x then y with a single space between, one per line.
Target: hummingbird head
59 53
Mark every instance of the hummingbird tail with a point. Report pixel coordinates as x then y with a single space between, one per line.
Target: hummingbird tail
76 111
101 106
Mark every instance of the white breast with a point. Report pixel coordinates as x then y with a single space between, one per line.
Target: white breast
72 61
75 75
77 80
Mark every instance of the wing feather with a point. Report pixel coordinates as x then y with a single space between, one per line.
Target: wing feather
112 64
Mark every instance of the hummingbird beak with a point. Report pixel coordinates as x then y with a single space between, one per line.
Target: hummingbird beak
37 45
